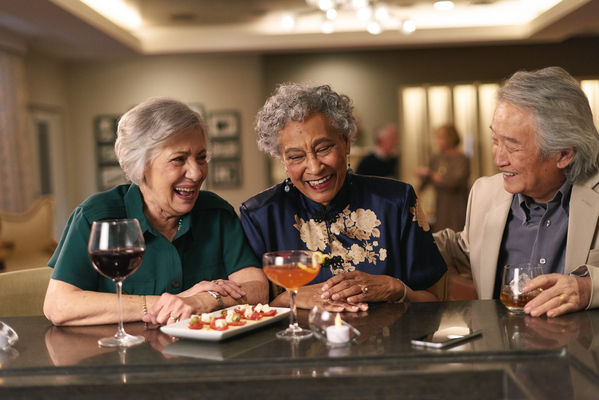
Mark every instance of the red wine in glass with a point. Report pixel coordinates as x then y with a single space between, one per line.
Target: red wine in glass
116 248
117 264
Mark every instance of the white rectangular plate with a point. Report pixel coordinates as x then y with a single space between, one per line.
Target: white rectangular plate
181 330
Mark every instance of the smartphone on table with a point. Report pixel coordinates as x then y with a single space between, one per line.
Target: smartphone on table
439 340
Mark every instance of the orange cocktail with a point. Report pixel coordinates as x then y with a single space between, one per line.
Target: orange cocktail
291 276
292 269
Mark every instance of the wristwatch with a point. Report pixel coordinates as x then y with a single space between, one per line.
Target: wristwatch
219 299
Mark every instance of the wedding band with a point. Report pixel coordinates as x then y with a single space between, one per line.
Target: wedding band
364 289
562 298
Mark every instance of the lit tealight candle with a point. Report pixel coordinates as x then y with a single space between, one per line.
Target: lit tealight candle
338 333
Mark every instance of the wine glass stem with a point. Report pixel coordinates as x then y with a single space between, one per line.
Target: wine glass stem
293 314
119 294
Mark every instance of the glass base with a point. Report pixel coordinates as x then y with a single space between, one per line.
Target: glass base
125 340
515 310
294 333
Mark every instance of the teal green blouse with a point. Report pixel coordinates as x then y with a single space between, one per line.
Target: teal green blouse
210 244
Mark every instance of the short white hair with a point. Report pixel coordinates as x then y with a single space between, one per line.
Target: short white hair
147 127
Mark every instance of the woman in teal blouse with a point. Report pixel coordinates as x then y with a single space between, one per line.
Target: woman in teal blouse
197 258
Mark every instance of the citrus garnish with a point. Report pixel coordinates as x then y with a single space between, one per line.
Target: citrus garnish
304 267
318 258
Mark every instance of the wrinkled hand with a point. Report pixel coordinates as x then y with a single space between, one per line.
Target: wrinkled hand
561 294
359 287
311 295
170 308
224 287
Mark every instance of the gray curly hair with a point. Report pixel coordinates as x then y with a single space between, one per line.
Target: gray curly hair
563 116
147 127
296 102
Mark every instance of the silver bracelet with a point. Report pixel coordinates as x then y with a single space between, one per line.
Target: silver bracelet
403 296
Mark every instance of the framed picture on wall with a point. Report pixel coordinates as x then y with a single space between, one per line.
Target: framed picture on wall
225 149
106 154
223 124
111 176
225 174
105 128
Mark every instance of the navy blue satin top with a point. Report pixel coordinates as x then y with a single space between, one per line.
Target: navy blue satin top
373 224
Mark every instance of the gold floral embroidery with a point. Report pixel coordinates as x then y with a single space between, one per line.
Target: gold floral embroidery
419 216
361 225
312 233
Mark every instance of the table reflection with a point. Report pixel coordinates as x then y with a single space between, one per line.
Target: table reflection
71 345
526 332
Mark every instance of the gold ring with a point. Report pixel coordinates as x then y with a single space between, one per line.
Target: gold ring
562 298
364 289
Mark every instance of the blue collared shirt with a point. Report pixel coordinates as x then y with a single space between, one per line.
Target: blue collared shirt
536 233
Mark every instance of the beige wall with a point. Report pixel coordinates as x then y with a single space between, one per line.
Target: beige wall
242 82
87 89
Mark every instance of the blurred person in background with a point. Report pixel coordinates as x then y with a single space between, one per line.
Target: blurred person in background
383 161
448 173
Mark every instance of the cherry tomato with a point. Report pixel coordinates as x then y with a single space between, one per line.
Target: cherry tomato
254 317
270 313
196 325
216 328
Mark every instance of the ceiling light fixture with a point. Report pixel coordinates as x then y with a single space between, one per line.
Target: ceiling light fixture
443 5
118 11
374 16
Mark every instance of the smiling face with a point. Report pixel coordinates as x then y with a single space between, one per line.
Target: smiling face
315 157
517 155
173 178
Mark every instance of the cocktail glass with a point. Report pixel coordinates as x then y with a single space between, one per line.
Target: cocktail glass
292 269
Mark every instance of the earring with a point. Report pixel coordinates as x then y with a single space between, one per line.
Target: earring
349 170
287 188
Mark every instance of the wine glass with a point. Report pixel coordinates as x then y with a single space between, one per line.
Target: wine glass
291 269
116 248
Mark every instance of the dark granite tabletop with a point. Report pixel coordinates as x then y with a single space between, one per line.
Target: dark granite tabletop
517 357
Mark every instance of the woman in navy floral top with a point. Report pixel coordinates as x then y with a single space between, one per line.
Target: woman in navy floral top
373 229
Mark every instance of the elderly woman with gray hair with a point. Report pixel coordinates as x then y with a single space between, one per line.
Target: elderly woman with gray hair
380 246
188 266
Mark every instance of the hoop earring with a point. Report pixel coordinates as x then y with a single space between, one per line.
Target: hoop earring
287 188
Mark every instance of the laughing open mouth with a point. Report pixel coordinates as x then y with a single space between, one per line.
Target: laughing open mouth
185 192
319 182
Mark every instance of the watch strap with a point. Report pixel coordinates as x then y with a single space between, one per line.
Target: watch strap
218 298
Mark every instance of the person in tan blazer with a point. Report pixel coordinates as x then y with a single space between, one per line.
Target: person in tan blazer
546 148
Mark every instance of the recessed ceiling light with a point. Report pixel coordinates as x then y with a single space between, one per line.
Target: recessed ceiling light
443 5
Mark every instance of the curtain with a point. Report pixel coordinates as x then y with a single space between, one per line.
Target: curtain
16 149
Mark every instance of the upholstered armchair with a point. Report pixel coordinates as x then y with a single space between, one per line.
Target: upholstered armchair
26 239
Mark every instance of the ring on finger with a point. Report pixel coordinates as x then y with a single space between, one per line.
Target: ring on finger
562 299
364 289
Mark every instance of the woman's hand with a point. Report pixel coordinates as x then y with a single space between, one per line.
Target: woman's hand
311 295
224 287
560 294
170 308
359 287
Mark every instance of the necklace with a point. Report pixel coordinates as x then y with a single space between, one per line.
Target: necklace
179 223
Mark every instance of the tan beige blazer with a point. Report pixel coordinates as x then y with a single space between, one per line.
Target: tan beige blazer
477 246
